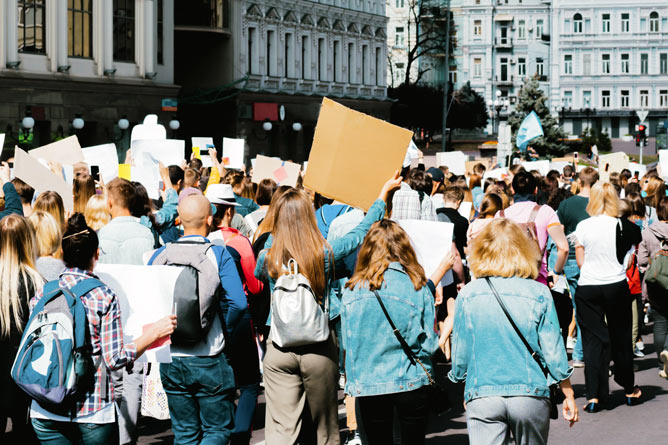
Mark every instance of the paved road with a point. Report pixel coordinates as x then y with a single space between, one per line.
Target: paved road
643 424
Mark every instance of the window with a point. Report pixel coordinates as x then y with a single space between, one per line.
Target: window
605 99
539 29
124 30
644 98
624 98
379 64
351 63
568 64
477 67
663 63
399 3
521 30
306 57
289 55
503 65
540 67
625 63
336 54
477 28
577 23
663 98
322 60
605 63
270 55
605 23
568 99
586 64
365 64
626 22
453 75
644 63
398 71
399 36
654 22
567 26
161 35
521 66
586 99
31 26
80 28
252 51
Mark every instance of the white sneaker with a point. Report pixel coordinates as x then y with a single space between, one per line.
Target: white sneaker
342 381
637 352
664 359
640 345
570 343
355 440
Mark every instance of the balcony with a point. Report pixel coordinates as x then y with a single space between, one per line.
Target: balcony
503 43
502 81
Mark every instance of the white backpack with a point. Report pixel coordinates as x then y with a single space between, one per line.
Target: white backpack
296 317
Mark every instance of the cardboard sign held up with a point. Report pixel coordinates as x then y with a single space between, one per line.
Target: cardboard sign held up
65 151
542 166
283 172
105 157
167 151
612 163
454 160
353 155
233 153
33 173
199 146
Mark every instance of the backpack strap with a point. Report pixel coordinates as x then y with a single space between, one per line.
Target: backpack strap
75 293
85 286
534 214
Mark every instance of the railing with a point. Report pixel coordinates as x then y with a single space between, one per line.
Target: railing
503 42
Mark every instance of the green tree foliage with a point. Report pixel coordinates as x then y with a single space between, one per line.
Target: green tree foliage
468 109
532 98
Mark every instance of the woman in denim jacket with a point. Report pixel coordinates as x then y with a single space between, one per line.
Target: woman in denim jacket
378 371
294 375
506 391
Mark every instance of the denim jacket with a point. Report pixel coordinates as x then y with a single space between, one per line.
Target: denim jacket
375 362
488 353
341 248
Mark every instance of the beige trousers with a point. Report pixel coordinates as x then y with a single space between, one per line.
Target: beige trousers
293 376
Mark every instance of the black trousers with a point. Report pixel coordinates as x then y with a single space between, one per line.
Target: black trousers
604 315
412 409
564 306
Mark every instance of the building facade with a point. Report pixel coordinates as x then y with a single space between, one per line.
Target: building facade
610 59
94 59
274 60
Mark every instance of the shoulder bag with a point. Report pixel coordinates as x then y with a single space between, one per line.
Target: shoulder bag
554 412
439 403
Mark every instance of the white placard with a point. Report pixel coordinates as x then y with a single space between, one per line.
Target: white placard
559 166
206 161
145 294
498 173
454 160
640 168
542 166
2 143
104 156
465 209
233 153
411 153
167 151
201 143
432 240
663 163
148 174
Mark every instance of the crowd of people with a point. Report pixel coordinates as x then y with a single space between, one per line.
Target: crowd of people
538 266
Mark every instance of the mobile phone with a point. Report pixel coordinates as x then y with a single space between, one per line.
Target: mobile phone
636 174
95 172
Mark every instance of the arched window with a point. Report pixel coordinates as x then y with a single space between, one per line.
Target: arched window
654 22
577 23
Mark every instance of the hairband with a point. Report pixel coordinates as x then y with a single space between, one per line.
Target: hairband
76 234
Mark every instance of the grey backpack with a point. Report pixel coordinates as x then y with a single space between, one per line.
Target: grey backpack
296 317
197 290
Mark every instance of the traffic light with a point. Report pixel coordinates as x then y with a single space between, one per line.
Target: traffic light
642 128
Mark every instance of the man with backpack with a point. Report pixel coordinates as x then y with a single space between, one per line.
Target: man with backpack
209 301
539 221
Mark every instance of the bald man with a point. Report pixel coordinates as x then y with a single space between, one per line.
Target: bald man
199 381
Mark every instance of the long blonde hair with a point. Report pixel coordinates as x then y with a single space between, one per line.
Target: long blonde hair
97 212
48 234
296 235
82 190
603 200
17 260
51 202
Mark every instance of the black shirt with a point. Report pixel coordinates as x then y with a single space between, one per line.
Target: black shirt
460 229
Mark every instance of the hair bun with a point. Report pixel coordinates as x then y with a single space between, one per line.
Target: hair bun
76 223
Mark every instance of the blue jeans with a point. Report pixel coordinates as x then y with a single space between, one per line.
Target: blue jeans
200 393
572 272
52 432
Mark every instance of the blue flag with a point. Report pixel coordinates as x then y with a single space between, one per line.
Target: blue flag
530 129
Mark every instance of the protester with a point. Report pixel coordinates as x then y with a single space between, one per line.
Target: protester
246 205
290 373
176 176
654 189
97 212
199 382
265 190
26 193
379 373
19 281
602 297
161 221
82 190
94 419
506 389
453 198
48 237
490 204
51 202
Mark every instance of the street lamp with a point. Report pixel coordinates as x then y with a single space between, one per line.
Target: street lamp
123 123
297 126
267 126
78 122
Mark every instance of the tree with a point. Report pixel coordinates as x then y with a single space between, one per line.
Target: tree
427 28
468 109
531 98
417 106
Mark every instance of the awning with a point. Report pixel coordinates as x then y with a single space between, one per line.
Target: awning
503 18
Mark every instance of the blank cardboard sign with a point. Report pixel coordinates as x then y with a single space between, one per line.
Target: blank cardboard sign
353 154
65 151
33 173
283 172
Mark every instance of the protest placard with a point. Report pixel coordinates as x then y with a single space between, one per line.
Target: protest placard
125 171
498 173
353 155
640 169
470 164
432 240
39 177
64 151
283 172
542 166
104 156
199 145
454 160
611 163
2 144
145 294
411 154
663 164
147 173
465 209
233 153
167 151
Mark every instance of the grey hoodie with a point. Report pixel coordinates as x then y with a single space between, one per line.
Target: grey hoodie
651 243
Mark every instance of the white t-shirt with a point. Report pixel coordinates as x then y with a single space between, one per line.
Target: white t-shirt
598 237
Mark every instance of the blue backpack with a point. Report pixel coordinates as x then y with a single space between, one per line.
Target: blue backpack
54 365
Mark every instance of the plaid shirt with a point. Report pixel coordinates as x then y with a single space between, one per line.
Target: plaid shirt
104 324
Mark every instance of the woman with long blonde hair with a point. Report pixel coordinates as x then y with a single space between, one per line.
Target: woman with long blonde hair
97 212
82 190
293 375
51 202
603 300
507 386
48 237
19 281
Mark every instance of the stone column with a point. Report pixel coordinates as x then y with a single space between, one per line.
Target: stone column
11 33
62 40
149 22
